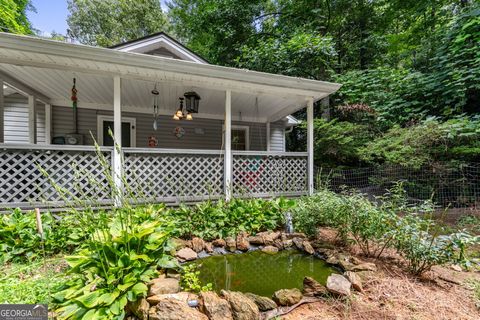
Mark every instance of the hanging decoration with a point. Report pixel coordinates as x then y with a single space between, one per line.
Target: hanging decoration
152 141
179 132
155 94
192 101
74 99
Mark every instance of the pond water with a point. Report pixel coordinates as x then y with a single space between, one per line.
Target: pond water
261 273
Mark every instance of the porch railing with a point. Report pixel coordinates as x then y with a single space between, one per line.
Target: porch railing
162 175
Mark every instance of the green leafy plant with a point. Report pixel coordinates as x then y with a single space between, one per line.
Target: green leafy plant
190 281
114 267
220 219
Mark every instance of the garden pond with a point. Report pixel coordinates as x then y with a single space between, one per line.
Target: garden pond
261 273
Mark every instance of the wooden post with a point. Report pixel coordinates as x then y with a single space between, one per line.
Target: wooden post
310 145
117 135
32 121
48 124
268 135
228 146
39 221
2 110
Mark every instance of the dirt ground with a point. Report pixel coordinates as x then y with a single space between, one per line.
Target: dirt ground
393 293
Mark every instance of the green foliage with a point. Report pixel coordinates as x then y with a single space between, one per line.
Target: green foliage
32 282
470 222
115 264
190 281
13 16
375 226
19 239
426 143
109 22
210 220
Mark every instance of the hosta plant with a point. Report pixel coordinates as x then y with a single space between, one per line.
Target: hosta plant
114 268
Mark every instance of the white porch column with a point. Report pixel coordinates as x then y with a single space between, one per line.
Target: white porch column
32 121
117 135
268 135
2 108
310 145
228 146
48 124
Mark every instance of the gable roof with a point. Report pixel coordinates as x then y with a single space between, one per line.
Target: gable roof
157 41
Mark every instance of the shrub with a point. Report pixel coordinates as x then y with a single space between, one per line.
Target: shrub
220 219
387 223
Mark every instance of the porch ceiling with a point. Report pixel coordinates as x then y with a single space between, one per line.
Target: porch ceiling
49 66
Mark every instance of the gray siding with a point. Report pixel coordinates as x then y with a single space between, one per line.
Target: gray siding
16 120
210 139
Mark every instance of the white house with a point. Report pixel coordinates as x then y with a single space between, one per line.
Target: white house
234 144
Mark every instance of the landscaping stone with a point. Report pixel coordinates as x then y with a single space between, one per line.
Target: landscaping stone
263 303
172 274
139 308
243 308
256 240
270 249
181 296
278 243
197 244
287 297
242 242
208 247
253 248
338 284
312 287
173 309
179 243
366 266
218 243
215 307
354 280
298 242
295 235
186 254
202 254
230 244
307 247
217 251
287 243
163 285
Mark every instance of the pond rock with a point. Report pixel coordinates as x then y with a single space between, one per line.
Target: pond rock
179 243
270 249
186 254
230 244
139 308
355 280
242 242
215 307
294 235
298 242
173 309
181 296
258 239
312 287
197 244
218 243
338 284
287 243
365 266
163 285
278 243
263 303
307 247
287 297
243 308
253 247
217 251
208 247
203 254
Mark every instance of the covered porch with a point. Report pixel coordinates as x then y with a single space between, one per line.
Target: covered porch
191 160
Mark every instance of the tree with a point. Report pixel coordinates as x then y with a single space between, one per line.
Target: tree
13 16
108 22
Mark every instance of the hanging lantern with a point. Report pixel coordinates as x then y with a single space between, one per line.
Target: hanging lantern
192 100
155 94
179 114
189 116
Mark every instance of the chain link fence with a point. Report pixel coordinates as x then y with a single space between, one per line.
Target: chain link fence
452 187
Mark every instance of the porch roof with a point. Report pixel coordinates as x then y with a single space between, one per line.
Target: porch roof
46 68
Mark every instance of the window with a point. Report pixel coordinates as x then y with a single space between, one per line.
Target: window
105 123
240 138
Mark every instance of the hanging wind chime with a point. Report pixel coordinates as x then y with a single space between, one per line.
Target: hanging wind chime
74 106
155 94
